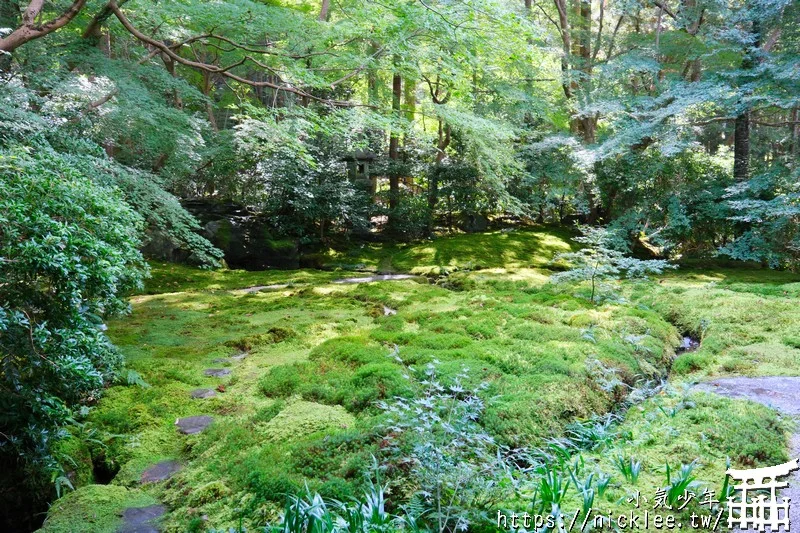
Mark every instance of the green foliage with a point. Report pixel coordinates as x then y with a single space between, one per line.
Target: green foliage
68 256
310 513
600 261
630 468
457 470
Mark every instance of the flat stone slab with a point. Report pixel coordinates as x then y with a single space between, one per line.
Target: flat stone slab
257 288
379 277
782 393
193 424
221 361
202 394
216 372
239 356
160 471
141 519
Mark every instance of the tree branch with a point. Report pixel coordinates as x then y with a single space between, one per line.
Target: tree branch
215 69
29 30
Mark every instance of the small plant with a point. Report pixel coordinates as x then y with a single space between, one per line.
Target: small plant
602 484
551 489
593 434
310 513
598 261
435 441
685 480
629 468
586 491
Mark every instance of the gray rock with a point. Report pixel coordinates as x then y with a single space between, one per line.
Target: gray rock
379 277
160 471
257 288
239 357
781 393
193 424
202 394
216 372
141 519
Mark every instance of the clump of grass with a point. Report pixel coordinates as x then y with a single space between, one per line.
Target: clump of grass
629 467
678 485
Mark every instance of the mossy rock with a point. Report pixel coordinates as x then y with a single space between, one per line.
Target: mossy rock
76 457
93 509
301 418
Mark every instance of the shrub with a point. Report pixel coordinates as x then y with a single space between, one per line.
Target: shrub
68 253
456 468
601 260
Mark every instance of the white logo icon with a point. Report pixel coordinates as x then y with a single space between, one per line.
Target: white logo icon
754 510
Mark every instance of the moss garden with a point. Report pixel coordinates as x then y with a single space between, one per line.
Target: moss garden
294 371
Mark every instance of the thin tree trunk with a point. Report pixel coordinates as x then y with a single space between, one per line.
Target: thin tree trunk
324 10
741 132
394 143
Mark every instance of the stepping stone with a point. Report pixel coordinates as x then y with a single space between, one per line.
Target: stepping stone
141 519
202 394
257 288
380 277
239 357
193 424
216 372
160 471
688 344
221 361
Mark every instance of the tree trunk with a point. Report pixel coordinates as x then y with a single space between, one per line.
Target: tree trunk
324 10
209 105
394 143
741 132
741 147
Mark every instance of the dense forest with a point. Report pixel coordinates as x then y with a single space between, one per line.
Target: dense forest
269 133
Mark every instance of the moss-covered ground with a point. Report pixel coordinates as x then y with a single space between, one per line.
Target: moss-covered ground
300 407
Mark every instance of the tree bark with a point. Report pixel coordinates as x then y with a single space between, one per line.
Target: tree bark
741 132
394 142
324 11
30 29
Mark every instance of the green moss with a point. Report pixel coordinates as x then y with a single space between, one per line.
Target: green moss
301 407
93 509
75 457
300 419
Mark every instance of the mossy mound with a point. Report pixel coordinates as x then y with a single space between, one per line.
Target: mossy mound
93 509
300 419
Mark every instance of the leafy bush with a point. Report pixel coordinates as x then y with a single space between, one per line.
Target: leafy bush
600 260
68 253
435 442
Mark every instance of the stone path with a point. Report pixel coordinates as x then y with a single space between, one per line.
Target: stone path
202 394
216 372
142 519
781 393
193 424
160 471
377 277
